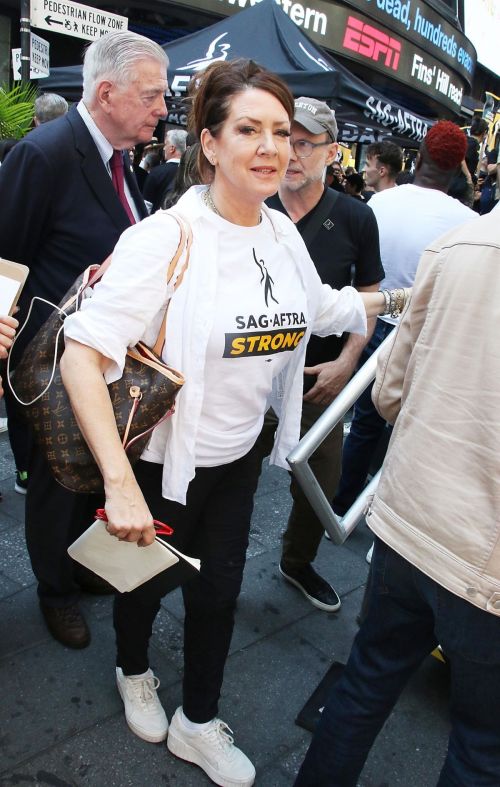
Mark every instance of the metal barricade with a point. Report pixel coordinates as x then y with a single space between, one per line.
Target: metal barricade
298 459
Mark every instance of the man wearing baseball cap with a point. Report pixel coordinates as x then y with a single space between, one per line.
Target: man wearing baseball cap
341 235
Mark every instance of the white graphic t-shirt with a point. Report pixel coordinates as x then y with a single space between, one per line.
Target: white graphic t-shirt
128 305
260 319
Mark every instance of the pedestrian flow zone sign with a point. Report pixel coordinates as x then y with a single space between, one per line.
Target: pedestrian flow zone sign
39 59
75 19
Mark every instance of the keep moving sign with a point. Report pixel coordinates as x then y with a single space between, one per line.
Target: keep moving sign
68 18
39 59
75 19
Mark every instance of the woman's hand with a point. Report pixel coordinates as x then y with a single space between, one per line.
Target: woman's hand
129 518
8 327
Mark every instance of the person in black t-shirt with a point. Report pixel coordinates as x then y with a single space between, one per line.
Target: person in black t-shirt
354 185
335 177
466 182
477 133
489 193
341 236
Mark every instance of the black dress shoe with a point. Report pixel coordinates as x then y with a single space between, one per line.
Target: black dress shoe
67 625
316 589
92 583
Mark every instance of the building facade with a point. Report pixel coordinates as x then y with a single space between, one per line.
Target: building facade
415 52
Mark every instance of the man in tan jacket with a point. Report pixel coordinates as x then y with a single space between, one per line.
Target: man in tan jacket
436 520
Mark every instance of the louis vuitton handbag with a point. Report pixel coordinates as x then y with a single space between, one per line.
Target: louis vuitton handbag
142 398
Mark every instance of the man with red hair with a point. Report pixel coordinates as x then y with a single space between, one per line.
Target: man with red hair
409 217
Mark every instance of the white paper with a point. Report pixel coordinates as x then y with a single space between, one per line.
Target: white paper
8 292
122 563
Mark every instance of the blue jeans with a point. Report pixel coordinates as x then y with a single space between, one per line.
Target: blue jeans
366 430
408 614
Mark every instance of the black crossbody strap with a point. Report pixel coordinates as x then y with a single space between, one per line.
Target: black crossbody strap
319 216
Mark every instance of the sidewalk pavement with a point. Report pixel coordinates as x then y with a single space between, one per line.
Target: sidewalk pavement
61 719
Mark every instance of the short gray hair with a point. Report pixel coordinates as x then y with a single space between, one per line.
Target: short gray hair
114 57
49 106
177 138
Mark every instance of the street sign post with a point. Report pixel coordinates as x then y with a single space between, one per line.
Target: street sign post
16 67
40 54
39 59
75 19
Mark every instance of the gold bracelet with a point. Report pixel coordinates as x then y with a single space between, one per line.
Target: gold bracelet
395 301
387 300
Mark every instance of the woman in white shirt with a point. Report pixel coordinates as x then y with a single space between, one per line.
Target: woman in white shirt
237 328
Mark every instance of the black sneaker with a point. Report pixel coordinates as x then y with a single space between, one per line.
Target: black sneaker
315 588
21 484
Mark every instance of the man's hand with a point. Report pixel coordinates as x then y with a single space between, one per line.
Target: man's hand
331 377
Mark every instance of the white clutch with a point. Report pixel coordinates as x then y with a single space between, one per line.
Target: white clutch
122 563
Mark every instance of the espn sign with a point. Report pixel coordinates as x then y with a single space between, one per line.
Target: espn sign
372 43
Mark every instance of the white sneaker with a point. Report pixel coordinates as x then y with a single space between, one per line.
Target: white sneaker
143 710
3 425
213 750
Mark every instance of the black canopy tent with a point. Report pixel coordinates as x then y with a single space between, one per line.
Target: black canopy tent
266 34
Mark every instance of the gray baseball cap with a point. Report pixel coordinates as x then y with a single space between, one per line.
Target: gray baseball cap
316 116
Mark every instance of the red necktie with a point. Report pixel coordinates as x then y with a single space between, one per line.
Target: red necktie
117 177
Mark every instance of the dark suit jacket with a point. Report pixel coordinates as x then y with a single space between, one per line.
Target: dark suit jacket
59 211
159 181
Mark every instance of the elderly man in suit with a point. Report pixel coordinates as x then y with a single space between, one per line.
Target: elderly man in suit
161 179
66 196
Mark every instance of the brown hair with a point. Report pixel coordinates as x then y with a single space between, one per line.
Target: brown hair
187 175
387 153
212 92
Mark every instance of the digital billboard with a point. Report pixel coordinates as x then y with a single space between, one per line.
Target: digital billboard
340 28
420 23
482 27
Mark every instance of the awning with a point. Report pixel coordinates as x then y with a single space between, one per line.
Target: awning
266 34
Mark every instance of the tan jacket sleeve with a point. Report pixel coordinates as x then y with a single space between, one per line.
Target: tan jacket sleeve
389 390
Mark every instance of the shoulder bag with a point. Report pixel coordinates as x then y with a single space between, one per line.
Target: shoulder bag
142 398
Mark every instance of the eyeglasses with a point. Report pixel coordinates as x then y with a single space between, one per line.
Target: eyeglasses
303 148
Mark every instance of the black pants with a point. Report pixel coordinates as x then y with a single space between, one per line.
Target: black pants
19 432
213 526
55 517
304 530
